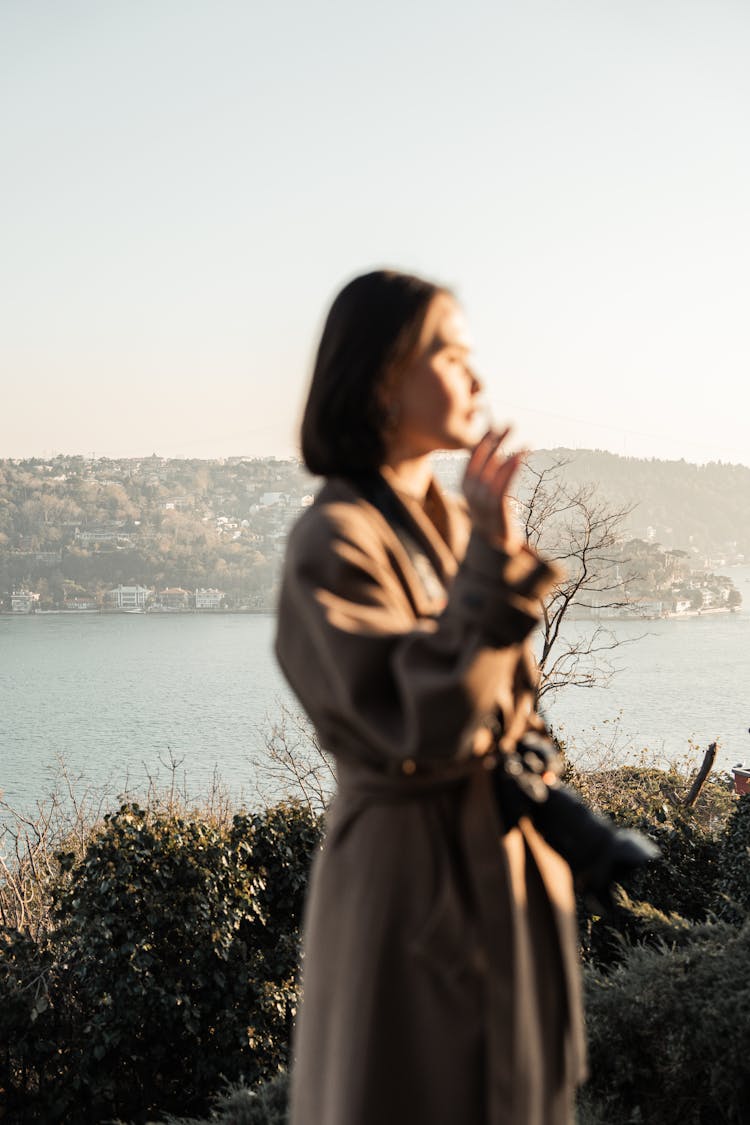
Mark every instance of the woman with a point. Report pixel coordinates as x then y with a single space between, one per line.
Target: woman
440 972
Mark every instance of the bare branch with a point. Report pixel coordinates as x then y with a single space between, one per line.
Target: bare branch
575 528
292 762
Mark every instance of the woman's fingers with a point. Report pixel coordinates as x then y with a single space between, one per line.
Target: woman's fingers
485 451
489 465
489 493
486 483
498 475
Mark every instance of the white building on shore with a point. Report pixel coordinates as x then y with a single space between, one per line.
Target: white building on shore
208 599
22 601
128 597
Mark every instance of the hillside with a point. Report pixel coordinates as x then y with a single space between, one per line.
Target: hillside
71 528
677 504
704 509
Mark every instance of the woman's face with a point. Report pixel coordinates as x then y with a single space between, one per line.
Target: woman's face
432 403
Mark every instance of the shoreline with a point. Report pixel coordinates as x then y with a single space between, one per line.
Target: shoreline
713 611
136 612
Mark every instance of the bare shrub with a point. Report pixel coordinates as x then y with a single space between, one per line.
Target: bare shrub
293 764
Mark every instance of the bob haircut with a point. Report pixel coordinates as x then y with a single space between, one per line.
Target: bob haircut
373 328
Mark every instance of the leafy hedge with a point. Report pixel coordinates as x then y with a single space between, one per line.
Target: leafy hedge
669 1032
668 1007
667 996
265 1105
170 969
690 879
733 884
168 972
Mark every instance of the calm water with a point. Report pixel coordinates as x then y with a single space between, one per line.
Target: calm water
114 695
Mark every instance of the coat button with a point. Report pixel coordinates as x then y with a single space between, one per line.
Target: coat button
408 766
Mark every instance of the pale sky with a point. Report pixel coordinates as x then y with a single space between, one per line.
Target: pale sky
185 185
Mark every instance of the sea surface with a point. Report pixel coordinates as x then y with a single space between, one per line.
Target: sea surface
117 697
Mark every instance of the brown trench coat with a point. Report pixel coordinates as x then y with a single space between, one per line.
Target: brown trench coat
440 974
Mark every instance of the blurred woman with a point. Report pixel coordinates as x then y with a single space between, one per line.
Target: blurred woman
440 955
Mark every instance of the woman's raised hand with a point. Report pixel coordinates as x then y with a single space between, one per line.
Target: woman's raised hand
486 482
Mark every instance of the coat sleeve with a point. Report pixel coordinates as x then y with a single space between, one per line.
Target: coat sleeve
376 682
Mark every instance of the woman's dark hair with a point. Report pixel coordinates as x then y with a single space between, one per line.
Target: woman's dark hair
373 326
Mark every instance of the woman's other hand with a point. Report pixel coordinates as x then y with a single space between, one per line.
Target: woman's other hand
487 480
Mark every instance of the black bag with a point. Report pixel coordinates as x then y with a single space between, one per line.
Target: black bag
527 783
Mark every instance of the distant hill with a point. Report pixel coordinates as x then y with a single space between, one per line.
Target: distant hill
677 504
72 528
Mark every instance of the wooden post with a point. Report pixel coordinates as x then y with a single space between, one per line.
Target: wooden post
703 772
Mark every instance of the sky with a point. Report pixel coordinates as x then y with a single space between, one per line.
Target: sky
187 183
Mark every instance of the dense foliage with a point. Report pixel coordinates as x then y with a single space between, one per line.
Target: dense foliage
686 882
667 998
667 992
164 982
267 1104
669 1031
170 967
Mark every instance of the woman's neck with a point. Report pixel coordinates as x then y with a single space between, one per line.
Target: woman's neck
411 475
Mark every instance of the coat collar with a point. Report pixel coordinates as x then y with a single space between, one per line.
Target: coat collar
442 525
441 529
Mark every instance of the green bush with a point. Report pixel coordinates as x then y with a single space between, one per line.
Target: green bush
681 883
684 883
31 1028
733 885
266 1105
669 1032
170 969
166 968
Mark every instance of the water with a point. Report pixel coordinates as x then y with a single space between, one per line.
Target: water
678 681
115 695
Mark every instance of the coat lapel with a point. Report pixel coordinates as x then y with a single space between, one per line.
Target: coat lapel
441 528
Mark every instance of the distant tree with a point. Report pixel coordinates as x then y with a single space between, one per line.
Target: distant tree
572 525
